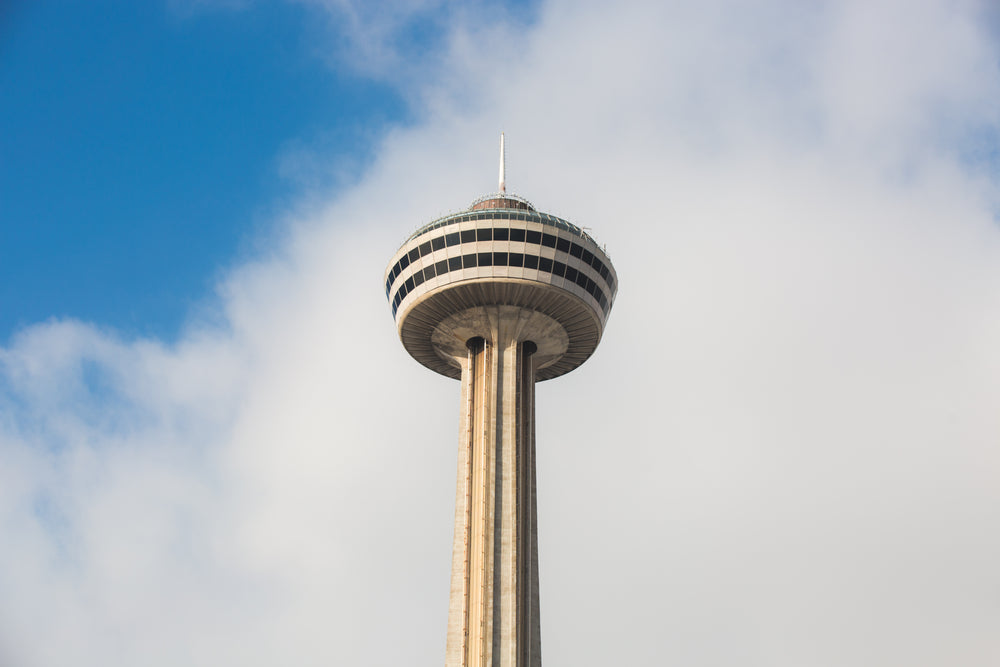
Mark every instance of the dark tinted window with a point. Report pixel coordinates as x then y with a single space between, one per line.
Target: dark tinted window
418 278
533 237
581 280
570 274
588 257
516 259
533 216
451 239
414 255
604 272
425 248
561 244
531 261
404 262
558 268
485 259
454 263
545 264
548 240
437 243
517 235
575 250
468 235
429 272
500 259
484 234
501 234
469 261
409 283
441 267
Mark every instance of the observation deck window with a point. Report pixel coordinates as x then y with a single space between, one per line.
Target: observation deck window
500 259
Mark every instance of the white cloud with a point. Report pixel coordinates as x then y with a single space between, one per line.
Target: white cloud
784 452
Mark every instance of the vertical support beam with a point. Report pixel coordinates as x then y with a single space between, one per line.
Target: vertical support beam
458 605
529 626
493 616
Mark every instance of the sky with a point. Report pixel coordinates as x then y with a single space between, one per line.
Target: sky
215 450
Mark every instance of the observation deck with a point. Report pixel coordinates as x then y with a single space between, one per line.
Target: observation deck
460 275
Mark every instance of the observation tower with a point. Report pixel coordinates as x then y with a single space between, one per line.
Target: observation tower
499 296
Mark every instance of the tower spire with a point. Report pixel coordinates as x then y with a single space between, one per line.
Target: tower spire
503 184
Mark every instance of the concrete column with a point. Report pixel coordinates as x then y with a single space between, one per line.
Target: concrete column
493 618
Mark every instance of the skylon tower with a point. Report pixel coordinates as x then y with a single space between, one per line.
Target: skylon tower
499 297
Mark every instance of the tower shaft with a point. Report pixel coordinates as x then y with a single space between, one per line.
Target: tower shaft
493 618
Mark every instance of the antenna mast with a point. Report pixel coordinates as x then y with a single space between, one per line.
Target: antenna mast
503 184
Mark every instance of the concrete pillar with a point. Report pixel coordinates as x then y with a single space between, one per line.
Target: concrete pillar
493 618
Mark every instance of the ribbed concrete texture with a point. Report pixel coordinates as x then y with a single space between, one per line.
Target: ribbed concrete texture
493 616
499 296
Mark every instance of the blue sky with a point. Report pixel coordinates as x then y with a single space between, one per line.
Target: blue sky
142 145
214 450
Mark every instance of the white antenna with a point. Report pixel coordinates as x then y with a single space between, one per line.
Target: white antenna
503 184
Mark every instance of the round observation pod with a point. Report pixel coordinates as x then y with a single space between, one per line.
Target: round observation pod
501 265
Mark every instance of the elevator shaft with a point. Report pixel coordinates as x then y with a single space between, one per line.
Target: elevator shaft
493 617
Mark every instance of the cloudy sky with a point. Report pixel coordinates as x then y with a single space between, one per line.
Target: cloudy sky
213 449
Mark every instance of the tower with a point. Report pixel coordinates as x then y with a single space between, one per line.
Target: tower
499 297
